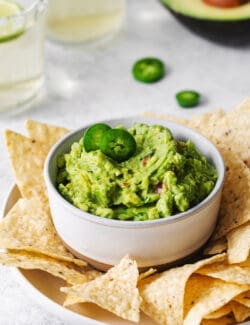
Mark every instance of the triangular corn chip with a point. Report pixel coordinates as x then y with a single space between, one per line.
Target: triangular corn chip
223 311
225 320
216 247
243 106
166 117
41 132
241 312
244 299
146 274
235 204
239 244
27 159
205 295
230 129
207 122
67 271
227 272
115 291
233 130
72 299
163 294
28 226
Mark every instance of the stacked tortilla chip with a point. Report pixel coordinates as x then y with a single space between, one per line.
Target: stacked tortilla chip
200 293
212 290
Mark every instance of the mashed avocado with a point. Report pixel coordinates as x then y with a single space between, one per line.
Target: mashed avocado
162 178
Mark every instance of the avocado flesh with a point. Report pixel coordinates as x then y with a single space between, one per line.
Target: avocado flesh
198 9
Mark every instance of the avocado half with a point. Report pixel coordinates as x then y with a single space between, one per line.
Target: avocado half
212 22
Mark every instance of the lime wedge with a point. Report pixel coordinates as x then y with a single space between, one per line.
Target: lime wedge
11 22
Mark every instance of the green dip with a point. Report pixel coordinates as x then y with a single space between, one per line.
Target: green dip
162 178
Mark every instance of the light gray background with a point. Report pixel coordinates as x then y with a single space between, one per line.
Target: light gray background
94 82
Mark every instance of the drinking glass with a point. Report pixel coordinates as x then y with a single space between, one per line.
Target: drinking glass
21 55
75 21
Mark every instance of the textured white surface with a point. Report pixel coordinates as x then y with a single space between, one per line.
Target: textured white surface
86 83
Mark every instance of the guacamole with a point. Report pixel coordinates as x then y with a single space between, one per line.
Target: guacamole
162 178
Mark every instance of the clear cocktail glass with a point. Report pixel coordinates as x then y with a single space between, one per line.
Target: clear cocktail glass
22 29
77 21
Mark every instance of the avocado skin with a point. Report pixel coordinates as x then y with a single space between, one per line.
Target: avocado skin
228 32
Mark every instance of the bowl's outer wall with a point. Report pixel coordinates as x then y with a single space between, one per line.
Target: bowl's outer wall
150 246
160 244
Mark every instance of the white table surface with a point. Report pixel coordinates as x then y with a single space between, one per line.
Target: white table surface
94 82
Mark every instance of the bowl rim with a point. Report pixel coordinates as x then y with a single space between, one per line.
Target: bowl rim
130 223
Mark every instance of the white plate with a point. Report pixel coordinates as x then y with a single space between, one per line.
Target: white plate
45 288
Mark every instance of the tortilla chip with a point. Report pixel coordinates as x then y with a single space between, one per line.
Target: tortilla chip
243 299
243 106
115 291
27 158
205 295
246 263
237 178
207 122
72 299
28 226
216 247
225 320
235 204
233 130
239 244
223 311
240 312
163 294
204 123
146 274
230 129
67 271
166 117
41 132
228 273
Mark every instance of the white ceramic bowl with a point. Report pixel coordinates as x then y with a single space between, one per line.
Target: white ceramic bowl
103 242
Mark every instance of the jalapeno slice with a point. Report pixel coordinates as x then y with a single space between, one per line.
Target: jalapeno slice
118 144
188 98
148 70
93 135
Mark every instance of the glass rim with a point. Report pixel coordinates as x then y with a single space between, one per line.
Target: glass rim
28 10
